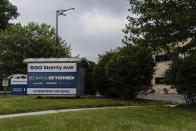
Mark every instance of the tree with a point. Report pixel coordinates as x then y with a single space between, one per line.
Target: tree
7 12
103 85
130 71
90 87
162 24
125 72
182 77
31 41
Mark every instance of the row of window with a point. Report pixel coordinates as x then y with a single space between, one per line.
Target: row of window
160 58
159 80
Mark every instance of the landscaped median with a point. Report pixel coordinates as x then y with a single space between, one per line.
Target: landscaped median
145 118
14 105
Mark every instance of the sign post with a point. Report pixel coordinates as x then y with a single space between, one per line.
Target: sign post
5 85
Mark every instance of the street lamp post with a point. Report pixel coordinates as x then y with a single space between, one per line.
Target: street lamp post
57 40
60 12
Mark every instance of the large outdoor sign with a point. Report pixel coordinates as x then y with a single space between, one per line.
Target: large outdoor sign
52 78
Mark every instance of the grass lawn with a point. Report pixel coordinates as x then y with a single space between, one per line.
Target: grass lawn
30 104
147 118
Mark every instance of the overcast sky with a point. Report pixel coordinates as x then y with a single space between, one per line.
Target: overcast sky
94 27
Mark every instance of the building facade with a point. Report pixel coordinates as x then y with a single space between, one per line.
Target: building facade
162 64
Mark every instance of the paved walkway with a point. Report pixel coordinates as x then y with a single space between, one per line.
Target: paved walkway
58 111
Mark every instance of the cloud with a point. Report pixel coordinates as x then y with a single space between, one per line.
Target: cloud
101 24
94 27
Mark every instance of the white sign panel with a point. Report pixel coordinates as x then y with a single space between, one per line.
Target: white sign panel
18 81
51 91
5 82
52 67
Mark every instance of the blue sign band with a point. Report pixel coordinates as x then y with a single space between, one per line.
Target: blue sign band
52 80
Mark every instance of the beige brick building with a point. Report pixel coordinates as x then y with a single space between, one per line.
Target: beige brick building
162 64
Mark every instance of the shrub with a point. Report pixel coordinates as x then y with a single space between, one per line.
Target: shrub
125 73
90 87
166 91
130 71
152 91
182 76
103 85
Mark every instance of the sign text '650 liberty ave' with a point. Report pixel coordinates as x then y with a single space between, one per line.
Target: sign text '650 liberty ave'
52 67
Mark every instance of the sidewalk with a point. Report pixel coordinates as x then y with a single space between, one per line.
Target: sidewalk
59 111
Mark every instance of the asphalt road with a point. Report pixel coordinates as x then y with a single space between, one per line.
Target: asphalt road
176 98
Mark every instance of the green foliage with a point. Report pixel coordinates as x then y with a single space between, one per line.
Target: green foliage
90 87
166 91
130 71
31 41
152 91
181 75
125 73
102 83
7 12
161 23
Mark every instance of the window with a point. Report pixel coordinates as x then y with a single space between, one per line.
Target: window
187 54
160 58
159 80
